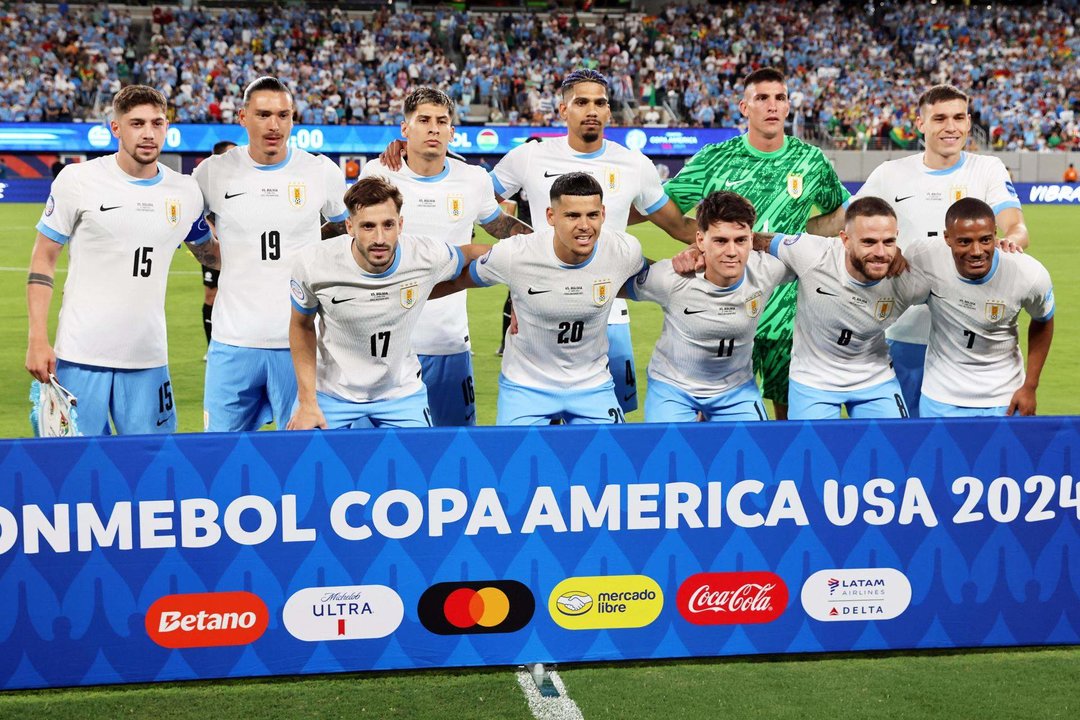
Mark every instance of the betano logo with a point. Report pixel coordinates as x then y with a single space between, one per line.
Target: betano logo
605 602
207 619
489 606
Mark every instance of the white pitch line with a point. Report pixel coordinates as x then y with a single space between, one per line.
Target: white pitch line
544 708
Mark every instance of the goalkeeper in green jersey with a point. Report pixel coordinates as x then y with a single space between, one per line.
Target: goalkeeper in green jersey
785 179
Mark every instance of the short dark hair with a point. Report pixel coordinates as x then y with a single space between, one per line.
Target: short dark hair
968 208
582 75
578 184
941 93
132 96
371 191
223 146
267 83
427 96
765 74
725 206
868 206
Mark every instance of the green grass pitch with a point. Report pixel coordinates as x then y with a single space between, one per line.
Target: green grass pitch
1042 683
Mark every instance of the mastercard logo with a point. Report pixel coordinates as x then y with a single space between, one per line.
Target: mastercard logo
492 606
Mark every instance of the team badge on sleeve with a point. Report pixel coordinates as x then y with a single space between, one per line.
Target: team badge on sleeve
794 185
297 194
172 211
455 207
995 311
753 305
601 291
409 294
883 308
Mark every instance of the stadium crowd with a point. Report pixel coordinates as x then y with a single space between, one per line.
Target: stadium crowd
854 69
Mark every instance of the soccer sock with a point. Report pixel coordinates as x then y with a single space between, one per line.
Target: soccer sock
207 312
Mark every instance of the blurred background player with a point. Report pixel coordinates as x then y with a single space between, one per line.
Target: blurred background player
369 289
973 362
785 179
266 199
443 198
703 361
562 280
839 358
122 217
209 274
920 189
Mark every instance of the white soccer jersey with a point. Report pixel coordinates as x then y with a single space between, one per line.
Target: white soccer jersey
839 342
264 215
707 343
444 206
366 321
121 234
921 196
973 359
626 176
561 309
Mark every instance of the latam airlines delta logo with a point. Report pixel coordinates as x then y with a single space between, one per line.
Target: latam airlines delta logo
348 612
732 598
207 619
856 594
605 602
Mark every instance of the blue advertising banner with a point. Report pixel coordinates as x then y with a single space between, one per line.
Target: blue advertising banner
346 139
1028 193
204 556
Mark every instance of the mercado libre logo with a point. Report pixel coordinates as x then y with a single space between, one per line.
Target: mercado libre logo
605 602
207 619
732 598
467 608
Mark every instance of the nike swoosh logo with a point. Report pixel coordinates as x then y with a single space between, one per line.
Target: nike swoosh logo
822 292
469 416
537 292
162 422
102 208
688 311
626 398
230 197
550 174
897 198
335 301
736 183
941 297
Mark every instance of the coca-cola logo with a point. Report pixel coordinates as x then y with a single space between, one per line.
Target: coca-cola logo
734 598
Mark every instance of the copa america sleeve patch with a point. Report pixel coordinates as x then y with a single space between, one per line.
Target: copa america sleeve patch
50 205
297 291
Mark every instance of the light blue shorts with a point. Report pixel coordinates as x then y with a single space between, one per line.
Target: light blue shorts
666 403
449 381
928 408
908 360
521 405
621 364
247 387
406 412
140 402
880 401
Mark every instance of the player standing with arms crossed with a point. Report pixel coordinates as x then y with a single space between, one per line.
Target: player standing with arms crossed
266 199
785 179
921 188
443 198
122 217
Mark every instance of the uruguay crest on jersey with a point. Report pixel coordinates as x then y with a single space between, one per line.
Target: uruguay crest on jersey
957 192
753 305
601 291
795 185
409 295
995 311
455 206
883 308
297 194
611 178
172 211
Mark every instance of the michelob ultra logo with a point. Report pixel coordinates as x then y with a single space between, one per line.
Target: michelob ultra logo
605 602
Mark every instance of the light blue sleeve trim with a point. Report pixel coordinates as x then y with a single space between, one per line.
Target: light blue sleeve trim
492 216
53 235
476 277
339 218
303 310
1006 205
1048 317
774 246
460 261
657 205
496 184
